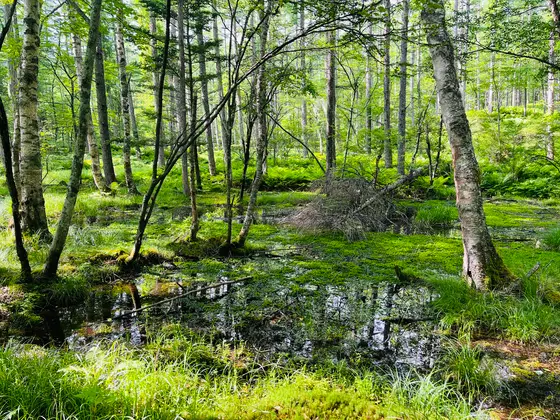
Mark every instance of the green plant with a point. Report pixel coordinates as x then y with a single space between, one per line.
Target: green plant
551 240
436 215
465 365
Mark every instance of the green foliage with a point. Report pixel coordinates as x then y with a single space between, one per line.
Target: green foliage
181 376
551 239
436 215
466 365
464 310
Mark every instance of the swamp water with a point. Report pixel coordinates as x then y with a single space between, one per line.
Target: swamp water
373 323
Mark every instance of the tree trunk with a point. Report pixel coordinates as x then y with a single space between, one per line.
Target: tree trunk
10 14
34 216
304 138
102 115
92 143
57 245
133 123
402 94
205 97
331 104
550 98
218 59
482 266
387 144
13 72
369 85
155 79
181 94
121 59
262 138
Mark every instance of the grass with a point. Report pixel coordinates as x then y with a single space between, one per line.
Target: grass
181 376
436 216
551 239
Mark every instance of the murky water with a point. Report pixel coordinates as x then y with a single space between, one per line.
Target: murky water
361 322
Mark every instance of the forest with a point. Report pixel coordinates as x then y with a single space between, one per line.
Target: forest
279 209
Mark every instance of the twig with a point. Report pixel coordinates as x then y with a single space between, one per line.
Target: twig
533 270
161 302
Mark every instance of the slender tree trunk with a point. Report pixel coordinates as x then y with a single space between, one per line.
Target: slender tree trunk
402 93
303 65
218 59
331 104
205 96
155 79
121 58
555 11
103 115
92 143
181 93
369 108
133 123
10 15
13 72
490 94
59 240
550 97
262 138
195 226
387 145
33 212
482 266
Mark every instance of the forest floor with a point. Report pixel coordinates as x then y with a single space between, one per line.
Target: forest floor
315 327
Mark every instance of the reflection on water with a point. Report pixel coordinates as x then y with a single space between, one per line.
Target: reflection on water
360 322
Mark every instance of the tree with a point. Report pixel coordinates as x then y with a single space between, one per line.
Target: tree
331 104
387 144
61 234
482 266
121 60
262 135
7 159
103 115
199 29
91 141
402 92
33 212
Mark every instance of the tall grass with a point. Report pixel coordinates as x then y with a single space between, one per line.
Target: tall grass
177 376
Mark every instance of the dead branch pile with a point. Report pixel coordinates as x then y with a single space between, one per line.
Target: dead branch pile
351 206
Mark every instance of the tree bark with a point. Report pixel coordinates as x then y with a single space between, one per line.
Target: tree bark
92 143
482 266
34 216
102 115
387 144
331 104
402 93
121 59
205 97
61 234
